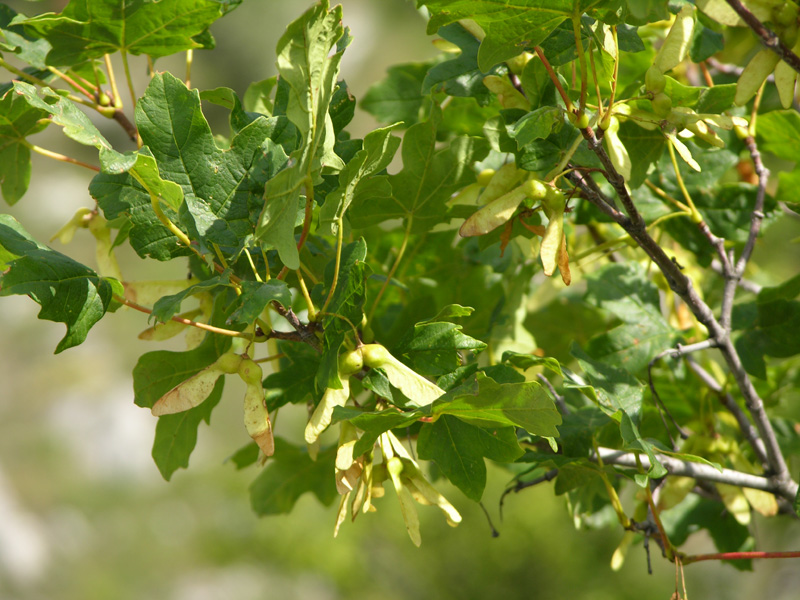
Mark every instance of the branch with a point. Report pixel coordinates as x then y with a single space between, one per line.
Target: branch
675 466
768 37
746 427
682 286
687 560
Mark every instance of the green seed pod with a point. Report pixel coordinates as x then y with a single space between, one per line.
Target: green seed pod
535 189
678 40
662 105
785 14
654 80
351 362
754 74
375 355
229 363
485 176
250 372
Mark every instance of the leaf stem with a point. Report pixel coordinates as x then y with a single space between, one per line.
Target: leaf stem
269 359
57 156
75 85
312 313
204 326
337 265
113 81
576 28
252 266
131 89
397 260
659 192
155 203
189 59
554 79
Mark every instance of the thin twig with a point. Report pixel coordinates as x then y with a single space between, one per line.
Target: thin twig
745 284
559 399
748 431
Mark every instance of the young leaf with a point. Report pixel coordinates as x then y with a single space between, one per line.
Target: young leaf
378 151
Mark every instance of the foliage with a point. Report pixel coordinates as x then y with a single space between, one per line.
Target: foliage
401 285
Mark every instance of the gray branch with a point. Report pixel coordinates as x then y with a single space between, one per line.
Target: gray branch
635 226
675 466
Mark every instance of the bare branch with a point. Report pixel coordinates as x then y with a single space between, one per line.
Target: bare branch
746 427
675 466
562 406
745 284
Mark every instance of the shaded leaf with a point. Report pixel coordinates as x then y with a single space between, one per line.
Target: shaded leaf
289 474
68 292
459 448
176 435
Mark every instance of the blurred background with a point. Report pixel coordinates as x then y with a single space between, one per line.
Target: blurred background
85 514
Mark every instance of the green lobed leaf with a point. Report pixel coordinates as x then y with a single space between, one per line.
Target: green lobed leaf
176 435
168 306
525 405
68 291
294 382
774 333
537 124
633 440
435 348
378 151
25 47
212 179
633 345
290 474
429 177
308 68
88 29
644 147
256 296
625 291
458 449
